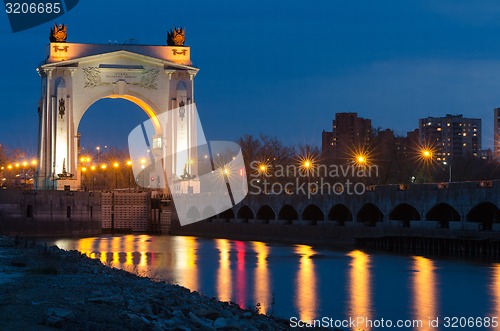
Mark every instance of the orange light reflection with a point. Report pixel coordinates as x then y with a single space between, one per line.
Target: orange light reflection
424 293
360 287
185 262
224 281
495 290
262 292
306 293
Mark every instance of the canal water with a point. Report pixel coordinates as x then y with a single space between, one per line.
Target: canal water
307 282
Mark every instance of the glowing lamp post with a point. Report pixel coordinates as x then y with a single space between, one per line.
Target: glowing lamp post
92 168
84 170
116 165
25 164
361 160
449 167
129 164
306 166
426 154
262 171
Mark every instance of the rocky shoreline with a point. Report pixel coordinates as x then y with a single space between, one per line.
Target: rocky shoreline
47 288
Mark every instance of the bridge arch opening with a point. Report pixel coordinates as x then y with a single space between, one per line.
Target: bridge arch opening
209 210
245 213
370 214
266 213
340 214
313 213
486 213
100 143
404 212
444 214
227 215
193 213
288 213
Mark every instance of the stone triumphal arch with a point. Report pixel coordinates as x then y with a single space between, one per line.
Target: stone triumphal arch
75 75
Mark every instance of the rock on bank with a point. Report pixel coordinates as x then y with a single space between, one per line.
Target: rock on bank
46 288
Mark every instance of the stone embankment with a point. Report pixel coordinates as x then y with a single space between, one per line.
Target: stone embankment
46 288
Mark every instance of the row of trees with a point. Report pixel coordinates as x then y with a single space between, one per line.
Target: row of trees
390 162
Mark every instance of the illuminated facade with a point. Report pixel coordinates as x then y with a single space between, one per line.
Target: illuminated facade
451 136
74 76
349 133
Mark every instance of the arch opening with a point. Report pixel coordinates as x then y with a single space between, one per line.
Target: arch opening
288 214
443 213
208 211
485 213
265 213
193 213
245 213
227 215
340 214
370 215
100 143
404 213
313 213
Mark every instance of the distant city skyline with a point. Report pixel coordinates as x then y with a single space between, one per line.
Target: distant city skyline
283 71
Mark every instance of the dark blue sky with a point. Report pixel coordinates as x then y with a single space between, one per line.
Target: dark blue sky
281 68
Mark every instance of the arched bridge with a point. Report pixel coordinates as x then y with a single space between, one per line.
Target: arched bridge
457 206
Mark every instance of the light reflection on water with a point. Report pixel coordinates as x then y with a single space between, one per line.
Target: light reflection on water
306 297
224 277
297 280
495 290
424 291
359 287
262 286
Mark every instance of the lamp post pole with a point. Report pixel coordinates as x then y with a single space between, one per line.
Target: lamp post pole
129 164
116 165
449 168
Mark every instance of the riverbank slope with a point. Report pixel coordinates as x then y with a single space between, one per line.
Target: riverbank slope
42 288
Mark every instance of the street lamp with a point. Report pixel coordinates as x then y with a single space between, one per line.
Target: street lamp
93 176
129 164
98 148
84 170
449 166
360 159
104 166
306 164
116 165
426 154
9 167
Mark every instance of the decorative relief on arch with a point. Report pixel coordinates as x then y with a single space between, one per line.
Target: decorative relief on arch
92 77
147 78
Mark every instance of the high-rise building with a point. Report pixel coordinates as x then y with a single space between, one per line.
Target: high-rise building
451 136
349 133
496 133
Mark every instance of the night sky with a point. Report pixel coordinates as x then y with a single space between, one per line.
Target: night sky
284 68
